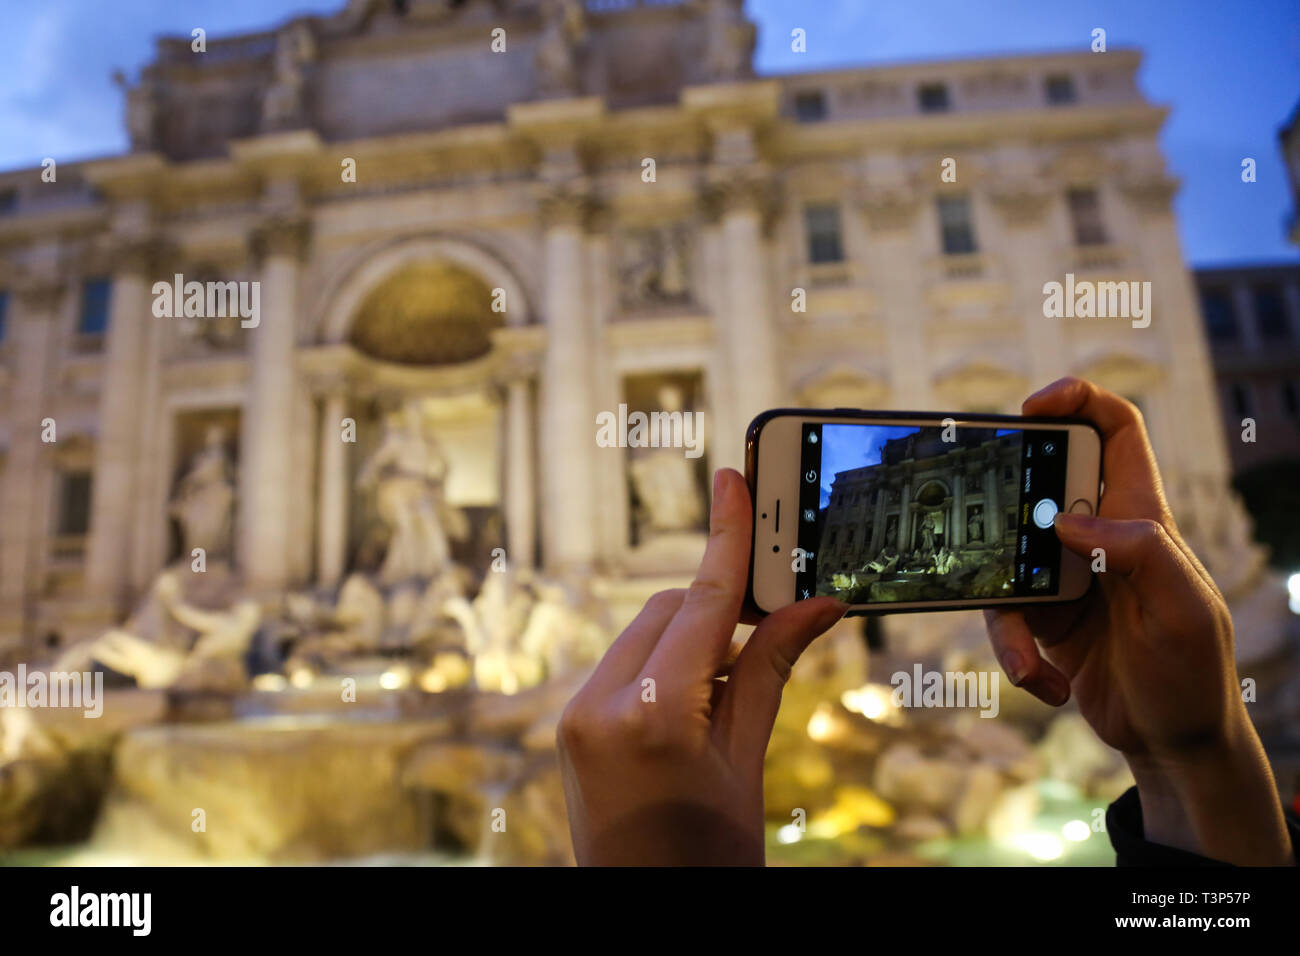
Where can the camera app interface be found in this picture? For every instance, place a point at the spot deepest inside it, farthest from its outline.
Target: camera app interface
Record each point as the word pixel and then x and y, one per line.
pixel 902 513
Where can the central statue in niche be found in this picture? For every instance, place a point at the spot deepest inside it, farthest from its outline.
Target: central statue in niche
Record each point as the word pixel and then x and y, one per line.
pixel 408 473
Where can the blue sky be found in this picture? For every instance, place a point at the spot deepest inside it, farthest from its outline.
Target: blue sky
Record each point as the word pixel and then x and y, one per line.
pixel 1230 72
pixel 845 447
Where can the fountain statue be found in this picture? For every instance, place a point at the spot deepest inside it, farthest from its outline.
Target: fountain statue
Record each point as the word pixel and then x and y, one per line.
pixel 204 499
pixel 667 486
pixel 212 660
pixel 407 472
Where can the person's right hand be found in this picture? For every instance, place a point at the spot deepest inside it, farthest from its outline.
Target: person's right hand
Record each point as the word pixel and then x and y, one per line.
pixel 1148 653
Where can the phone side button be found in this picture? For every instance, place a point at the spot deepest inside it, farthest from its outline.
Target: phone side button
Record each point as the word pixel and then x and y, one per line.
pixel 1081 506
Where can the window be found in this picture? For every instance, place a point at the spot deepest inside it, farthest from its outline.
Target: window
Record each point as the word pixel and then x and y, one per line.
pixel 823 223
pixel 4 313
pixel 1060 90
pixel 1240 399
pixel 933 98
pixel 1270 313
pixel 94 307
pixel 1085 215
pixel 810 106
pixel 1220 319
pixel 74 504
pixel 955 224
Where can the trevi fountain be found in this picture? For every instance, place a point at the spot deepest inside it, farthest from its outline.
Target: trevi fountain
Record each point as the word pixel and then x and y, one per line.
pixel 340 572
pixel 408 715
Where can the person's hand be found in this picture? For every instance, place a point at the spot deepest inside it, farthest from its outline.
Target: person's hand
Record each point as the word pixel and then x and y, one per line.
pixel 662 760
pixel 1148 653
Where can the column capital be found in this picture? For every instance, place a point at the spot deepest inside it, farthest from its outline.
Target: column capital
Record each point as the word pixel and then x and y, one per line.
pixel 39 294
pixel 281 236
pixel 732 192
pixel 570 205
pixel 139 255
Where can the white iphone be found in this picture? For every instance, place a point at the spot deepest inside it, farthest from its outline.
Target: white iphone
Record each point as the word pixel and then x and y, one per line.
pixel 908 511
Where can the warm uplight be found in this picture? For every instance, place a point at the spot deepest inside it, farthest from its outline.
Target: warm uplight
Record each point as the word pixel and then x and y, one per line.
pixel 1293 589
pixel 432 682
pixel 1041 846
pixel 301 678
pixel 821 724
pixel 789 833
pixel 394 679
pixel 1076 831
pixel 874 702
pixel 270 682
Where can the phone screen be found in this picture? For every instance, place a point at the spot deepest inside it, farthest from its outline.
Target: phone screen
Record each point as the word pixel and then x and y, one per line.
pixel 892 513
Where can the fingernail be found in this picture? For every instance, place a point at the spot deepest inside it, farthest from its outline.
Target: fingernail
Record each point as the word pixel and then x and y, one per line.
pixel 1056 690
pixel 834 612
pixel 1014 665
pixel 719 487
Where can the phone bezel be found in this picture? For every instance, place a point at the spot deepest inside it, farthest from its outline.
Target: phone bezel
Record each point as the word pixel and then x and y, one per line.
pixel 752 443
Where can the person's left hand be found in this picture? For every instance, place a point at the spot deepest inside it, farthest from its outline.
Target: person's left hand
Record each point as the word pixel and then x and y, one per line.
pixel 662 759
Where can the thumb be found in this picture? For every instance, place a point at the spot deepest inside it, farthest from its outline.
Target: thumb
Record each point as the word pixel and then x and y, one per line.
pixel 752 697
pixel 1139 549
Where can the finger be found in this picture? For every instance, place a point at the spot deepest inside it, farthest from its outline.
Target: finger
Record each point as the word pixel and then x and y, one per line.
pixel 1019 657
pixel 729 660
pixel 695 641
pixel 743 721
pixel 1133 485
pixel 1134 488
pixel 629 652
pixel 1141 550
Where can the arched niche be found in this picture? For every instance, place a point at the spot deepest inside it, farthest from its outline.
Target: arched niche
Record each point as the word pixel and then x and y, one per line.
pixel 344 302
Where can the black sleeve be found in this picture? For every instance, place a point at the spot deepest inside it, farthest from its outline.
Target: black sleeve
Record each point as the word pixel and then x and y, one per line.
pixel 1124 826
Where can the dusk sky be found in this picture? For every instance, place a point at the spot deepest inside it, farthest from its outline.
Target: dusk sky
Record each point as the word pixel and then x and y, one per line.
pixel 1229 71
pixel 845 447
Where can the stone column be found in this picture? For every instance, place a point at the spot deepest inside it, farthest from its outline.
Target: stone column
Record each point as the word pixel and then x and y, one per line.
pixel 266 443
pixel 878 527
pixel 117 447
pixel 895 263
pixel 904 515
pixel 32 326
pixel 150 530
pixel 992 504
pixel 520 510
pixel 1198 440
pixel 958 508
pixel 1030 263
pixel 568 421
pixel 332 515
pixel 749 334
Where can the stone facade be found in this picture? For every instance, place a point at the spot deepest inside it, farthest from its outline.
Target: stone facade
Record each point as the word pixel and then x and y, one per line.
pixel 524 177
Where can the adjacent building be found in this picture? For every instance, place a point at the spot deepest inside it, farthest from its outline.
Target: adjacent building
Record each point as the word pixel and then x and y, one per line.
pixel 1252 321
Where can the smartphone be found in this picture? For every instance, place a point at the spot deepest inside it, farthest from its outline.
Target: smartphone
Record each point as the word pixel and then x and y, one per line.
pixel 916 511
